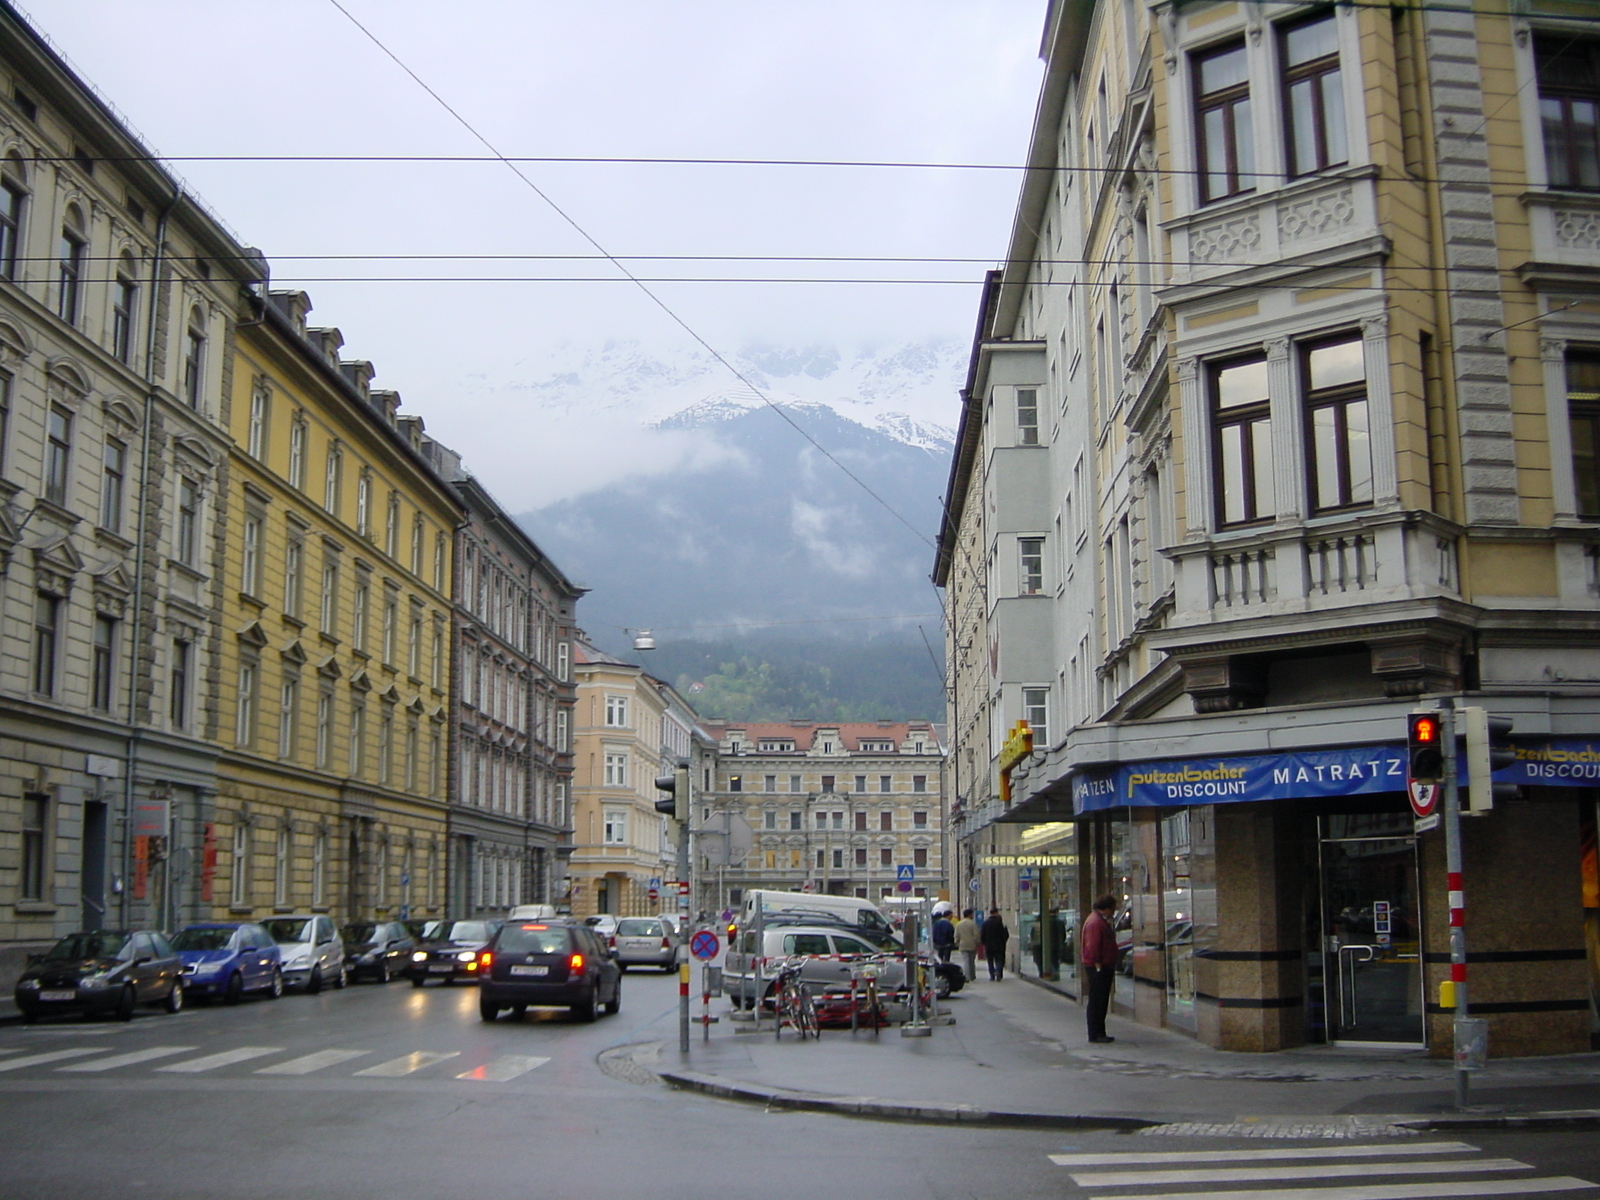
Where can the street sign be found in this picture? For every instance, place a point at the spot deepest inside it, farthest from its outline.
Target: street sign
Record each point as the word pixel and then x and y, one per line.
pixel 705 945
pixel 654 894
pixel 976 884
pixel 655 884
pixel 904 885
pixel 1424 797
pixel 905 871
pixel 683 889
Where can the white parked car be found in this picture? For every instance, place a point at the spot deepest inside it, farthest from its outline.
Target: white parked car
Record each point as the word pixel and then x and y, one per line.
pixel 313 954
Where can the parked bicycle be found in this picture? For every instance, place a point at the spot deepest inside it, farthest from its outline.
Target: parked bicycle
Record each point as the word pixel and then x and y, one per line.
pixel 866 1005
pixel 792 1004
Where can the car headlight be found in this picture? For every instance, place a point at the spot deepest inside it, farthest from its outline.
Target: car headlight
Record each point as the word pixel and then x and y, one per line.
pixel 207 968
pixel 299 958
pixel 466 956
pixel 419 956
pixel 98 979
pixel 27 985
pixel 370 956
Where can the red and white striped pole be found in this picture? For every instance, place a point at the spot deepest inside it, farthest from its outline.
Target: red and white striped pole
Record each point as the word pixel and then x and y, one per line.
pixel 1458 893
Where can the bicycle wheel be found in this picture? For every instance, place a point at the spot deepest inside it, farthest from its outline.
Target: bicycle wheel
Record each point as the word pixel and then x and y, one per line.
pixel 808 1023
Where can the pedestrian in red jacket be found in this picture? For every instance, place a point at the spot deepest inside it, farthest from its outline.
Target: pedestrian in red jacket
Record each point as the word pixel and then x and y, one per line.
pixel 1098 953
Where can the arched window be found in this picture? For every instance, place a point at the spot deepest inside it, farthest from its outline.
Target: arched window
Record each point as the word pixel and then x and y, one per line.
pixel 194 358
pixel 124 299
pixel 13 199
pixel 74 242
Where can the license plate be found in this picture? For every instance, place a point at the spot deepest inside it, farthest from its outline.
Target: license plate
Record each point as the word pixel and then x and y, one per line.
pixel 58 995
pixel 441 968
pixel 530 970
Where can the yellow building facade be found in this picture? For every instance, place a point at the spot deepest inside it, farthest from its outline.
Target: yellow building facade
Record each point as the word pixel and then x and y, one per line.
pixel 336 544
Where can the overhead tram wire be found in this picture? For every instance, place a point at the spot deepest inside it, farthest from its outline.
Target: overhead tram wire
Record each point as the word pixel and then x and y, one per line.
pixel 642 285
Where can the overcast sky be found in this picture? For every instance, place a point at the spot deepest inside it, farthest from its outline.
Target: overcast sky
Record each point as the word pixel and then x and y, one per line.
pixel 943 81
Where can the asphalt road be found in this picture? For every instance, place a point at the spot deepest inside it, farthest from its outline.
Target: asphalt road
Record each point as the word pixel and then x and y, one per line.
pixel 398 1092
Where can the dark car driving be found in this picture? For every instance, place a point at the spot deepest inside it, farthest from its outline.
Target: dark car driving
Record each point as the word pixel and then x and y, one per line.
pixel 448 950
pixel 102 971
pixel 378 950
pixel 533 963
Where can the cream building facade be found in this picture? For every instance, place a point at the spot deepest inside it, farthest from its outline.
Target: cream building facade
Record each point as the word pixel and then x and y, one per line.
pixel 1281 422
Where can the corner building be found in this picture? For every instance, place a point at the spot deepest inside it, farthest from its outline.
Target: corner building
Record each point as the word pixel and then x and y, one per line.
pixel 336 542
pixel 1281 421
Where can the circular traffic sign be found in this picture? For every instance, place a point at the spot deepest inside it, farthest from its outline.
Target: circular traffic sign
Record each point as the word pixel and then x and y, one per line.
pixel 1424 797
pixel 705 945
pixel 904 885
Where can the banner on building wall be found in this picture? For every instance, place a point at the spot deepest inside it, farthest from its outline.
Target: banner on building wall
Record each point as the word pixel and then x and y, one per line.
pixel 1313 774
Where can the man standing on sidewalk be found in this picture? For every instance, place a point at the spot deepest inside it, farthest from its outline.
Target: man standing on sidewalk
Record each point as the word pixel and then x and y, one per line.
pixel 1098 953
pixel 943 934
pixel 994 936
pixel 967 939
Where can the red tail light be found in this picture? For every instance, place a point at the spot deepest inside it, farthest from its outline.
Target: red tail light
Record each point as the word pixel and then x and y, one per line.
pixel 666 943
pixel 575 963
pixel 485 959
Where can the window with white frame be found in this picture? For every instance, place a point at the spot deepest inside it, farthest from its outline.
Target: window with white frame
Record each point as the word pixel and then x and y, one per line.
pixel 57 454
pixel 1030 566
pixel 288 720
pixel 250 555
pixel 113 473
pixel 1313 94
pixel 1027 416
pixel 1036 712
pixel 299 431
pixel 1568 71
pixel 186 537
pixel 69 267
pixel 1338 442
pixel 1242 441
pixel 616 768
pixel 616 827
pixel 260 413
pixel 1224 131
pixel 617 712
pixel 1583 420
pixel 194 359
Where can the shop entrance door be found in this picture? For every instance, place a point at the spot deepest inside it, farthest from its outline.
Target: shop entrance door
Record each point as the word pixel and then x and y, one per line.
pixel 1371 953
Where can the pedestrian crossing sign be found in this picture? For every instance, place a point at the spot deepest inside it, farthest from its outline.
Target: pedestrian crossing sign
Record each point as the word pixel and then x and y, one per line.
pixel 905 871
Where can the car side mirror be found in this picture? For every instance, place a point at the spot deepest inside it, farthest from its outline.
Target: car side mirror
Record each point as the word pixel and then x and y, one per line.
pixel 141 960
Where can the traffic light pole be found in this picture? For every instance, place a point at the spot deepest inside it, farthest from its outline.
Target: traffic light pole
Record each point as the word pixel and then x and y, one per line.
pixel 1452 856
pixel 683 927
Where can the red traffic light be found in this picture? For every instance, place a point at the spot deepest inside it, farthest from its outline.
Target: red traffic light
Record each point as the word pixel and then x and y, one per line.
pixel 1424 730
pixel 1424 749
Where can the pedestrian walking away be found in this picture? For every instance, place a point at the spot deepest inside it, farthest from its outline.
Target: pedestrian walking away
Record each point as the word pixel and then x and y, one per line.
pixel 1098 954
pixel 994 935
pixel 968 938
pixel 943 934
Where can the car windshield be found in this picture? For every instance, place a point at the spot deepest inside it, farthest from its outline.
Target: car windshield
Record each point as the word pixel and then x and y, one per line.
pixel 639 929
pixel 456 931
pixel 202 939
pixel 89 945
pixel 532 939
pixel 289 929
pixel 360 931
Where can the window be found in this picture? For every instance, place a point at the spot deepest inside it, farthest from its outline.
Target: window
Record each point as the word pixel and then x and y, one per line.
pixel 298 432
pixel 1583 416
pixel 414 650
pixel 885 857
pixel 919 857
pixel 331 479
pixel 409 775
pixel 820 859
pixel 616 827
pixel 46 642
pixel 919 783
pixel 617 712
pixel 1242 441
pixel 919 819
pixel 827 783
pixel 886 822
pixel 324 730
pixel 112 474
pixel 794 818
pixel 1030 566
pixel 241 865
pixel 385 742
pixel 861 822
pixel 281 859
pixel 364 505
pixel 260 413
pixel 288 720
pixel 57 454
pixel 358 616
pixel 1338 445
pixel 419 537
pixel 736 783
pixel 616 768
pixel 319 868
pixel 838 859
pixel 885 783
pixel 1568 70
pixel 250 555
pixel 1222 105
pixel 1313 95
pixel 124 303
pixel 69 266
pixel 438 561
pixel 861 856
pixel 1027 416
pixel 5 415
pixel 391 527
pixel 194 359
pixel 1036 712
pixel 245 728
pixel 861 783
pixel 12 199
pixel 294 559
pixel 186 548
pixel 35 815
pixel 102 665
pixel 328 608
pixel 358 739
pixel 178 683
pixel 391 614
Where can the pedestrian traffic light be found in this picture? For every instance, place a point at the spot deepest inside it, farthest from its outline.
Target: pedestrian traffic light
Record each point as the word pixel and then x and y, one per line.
pixel 1424 748
pixel 1488 750
pixel 675 803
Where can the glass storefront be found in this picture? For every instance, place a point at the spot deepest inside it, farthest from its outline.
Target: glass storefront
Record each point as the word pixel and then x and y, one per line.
pixel 1047 902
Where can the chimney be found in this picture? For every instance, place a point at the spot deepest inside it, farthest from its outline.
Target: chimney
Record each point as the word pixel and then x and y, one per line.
pixel 359 372
pixel 294 305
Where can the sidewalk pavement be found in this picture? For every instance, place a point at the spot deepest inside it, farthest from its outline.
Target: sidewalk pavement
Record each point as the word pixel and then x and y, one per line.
pixel 1017 1054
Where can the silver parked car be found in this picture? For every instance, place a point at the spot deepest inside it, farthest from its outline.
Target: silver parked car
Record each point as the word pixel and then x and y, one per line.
pixel 645 942
pixel 313 954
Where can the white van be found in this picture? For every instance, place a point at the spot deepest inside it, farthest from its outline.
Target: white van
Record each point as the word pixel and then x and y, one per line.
pixel 854 911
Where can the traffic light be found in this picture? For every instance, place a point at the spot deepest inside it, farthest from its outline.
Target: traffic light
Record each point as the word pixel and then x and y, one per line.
pixel 675 803
pixel 1424 748
pixel 1488 750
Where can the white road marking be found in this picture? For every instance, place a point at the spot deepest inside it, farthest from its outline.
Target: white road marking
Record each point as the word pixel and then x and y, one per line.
pixel 308 1063
pixel 408 1063
pixel 49 1056
pixel 226 1058
pixel 130 1059
pixel 1305 1171
pixel 498 1070
pixel 1398 1191
pixel 1268 1153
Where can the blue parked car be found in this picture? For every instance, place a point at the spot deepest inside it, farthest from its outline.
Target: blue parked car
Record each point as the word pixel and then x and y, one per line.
pixel 228 959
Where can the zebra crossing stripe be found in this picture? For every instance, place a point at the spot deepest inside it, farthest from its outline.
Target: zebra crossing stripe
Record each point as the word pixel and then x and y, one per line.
pixel 226 1058
pixel 498 1070
pixel 1304 1171
pixel 1399 1191
pixel 308 1063
pixel 407 1063
pixel 1261 1155
pixel 49 1056
pixel 130 1059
